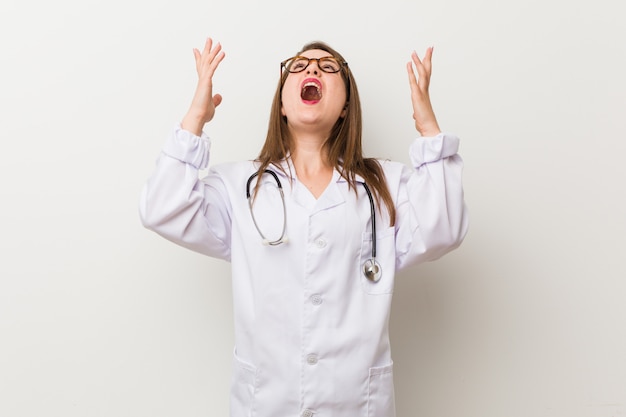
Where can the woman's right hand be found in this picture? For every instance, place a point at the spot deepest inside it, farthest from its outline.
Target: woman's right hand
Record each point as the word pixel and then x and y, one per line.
pixel 203 105
pixel 423 114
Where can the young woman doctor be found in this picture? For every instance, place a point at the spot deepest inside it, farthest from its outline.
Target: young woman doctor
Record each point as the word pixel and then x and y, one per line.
pixel 314 231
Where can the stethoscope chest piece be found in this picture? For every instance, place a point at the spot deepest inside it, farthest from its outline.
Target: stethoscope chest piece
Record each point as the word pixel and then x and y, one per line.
pixel 372 270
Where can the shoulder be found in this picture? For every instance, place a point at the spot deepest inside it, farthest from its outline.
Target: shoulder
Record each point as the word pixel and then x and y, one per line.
pixel 391 166
pixel 231 174
pixel 237 168
pixel 393 170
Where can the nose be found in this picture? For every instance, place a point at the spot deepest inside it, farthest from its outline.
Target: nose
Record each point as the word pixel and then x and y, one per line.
pixel 315 70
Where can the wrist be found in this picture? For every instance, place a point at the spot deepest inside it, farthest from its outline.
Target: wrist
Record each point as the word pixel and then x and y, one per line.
pixel 193 122
pixel 430 130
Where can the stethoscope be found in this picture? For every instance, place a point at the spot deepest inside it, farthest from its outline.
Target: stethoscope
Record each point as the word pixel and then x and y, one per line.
pixel 371 267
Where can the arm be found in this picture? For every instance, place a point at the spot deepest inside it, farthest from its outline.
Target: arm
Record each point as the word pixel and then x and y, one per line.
pixel 178 206
pixel 432 215
pixel 174 202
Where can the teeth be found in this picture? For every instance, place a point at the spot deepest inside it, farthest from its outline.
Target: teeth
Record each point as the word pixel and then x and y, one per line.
pixel 311 84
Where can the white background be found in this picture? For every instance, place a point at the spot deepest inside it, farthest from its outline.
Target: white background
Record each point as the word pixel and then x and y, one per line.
pixel 100 317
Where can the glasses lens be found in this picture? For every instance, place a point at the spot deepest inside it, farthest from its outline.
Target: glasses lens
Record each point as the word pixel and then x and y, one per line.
pixel 329 65
pixel 297 64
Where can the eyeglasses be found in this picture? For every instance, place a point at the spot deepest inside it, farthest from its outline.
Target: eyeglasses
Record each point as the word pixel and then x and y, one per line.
pixel 300 63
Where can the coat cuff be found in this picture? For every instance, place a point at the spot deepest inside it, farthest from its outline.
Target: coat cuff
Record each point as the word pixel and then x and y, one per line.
pixel 188 148
pixel 424 150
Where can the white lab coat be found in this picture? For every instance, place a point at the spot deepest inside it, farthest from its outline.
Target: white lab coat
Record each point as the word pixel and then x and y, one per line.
pixel 311 332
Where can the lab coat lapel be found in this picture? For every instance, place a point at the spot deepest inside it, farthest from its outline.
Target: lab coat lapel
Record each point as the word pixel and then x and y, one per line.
pixel 332 196
pixel 300 195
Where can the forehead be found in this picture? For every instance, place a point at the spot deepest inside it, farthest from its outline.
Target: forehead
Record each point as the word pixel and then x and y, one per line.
pixel 315 53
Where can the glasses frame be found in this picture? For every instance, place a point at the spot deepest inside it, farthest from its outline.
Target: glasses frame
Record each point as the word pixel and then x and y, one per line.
pixel 342 64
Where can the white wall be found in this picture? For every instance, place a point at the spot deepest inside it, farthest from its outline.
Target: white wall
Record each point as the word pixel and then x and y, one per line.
pixel 99 317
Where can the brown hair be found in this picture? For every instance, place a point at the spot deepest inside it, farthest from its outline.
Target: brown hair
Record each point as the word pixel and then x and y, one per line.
pixel 343 145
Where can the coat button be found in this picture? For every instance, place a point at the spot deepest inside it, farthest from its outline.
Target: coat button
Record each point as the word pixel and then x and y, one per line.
pixel 311 358
pixel 307 413
pixel 316 299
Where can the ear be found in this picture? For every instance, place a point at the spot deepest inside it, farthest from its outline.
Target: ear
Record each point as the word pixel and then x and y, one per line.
pixel 344 111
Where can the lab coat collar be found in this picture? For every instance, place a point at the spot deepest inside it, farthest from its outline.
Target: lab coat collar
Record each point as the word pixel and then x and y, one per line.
pixel 285 169
pixel 331 197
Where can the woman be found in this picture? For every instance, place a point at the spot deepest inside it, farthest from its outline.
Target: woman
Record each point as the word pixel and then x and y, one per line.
pixel 313 270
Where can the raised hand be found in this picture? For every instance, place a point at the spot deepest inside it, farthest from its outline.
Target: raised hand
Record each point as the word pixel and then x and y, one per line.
pixel 423 114
pixel 203 104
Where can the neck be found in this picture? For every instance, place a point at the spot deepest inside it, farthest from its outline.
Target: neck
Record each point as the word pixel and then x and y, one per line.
pixel 308 151
pixel 310 160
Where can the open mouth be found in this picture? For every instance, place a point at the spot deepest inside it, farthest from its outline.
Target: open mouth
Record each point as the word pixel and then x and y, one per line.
pixel 311 90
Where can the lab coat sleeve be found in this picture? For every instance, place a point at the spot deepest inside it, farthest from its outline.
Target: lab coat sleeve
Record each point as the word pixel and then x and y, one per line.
pixel 432 216
pixel 177 205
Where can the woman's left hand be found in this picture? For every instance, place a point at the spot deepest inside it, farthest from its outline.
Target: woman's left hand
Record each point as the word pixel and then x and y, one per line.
pixel 423 114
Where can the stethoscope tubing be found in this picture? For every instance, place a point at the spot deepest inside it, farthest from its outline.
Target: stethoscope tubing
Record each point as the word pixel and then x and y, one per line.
pixel 371 268
pixel 266 241
pixel 373 217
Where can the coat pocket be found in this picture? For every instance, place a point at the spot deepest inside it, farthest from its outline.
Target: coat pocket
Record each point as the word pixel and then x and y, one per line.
pixel 380 396
pixel 243 388
pixel 386 258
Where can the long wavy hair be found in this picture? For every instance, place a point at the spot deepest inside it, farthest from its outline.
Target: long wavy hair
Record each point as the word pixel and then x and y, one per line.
pixel 344 144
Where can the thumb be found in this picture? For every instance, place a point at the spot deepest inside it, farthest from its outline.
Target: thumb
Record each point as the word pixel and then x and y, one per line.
pixel 217 99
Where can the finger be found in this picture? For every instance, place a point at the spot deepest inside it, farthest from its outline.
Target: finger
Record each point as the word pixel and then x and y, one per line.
pixel 412 78
pixel 209 52
pixel 419 66
pixel 212 59
pixel 423 69
pixel 415 91
pixel 212 53
pixel 217 58
pixel 428 56
pixel 217 100
pixel 201 57
pixel 416 59
pixel 197 57
pixel 208 45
